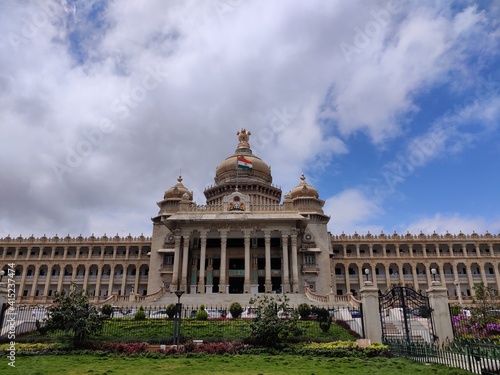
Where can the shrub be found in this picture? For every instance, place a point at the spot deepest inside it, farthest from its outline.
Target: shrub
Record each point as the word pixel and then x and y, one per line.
pixel 236 310
pixel 74 313
pixel 324 319
pixel 171 310
pixel 202 313
pixel 140 314
pixel 304 311
pixel 107 310
pixel 267 328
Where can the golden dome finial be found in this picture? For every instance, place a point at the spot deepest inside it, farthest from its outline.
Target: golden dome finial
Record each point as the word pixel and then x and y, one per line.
pixel 179 179
pixel 243 137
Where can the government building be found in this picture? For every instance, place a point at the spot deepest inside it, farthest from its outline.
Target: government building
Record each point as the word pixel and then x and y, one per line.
pixel 247 239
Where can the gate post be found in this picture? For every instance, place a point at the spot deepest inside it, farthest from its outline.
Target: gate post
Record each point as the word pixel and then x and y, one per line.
pixel 371 312
pixel 438 301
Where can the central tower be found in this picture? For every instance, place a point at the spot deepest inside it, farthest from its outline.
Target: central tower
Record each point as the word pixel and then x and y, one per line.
pixel 244 172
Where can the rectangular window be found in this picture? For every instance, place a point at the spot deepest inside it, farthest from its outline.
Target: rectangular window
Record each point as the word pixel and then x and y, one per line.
pixel 310 259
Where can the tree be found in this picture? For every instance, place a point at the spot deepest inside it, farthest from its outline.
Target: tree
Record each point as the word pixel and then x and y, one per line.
pixel 74 313
pixel 486 300
pixel 202 313
pixel 171 310
pixel 323 317
pixel 140 314
pixel 107 311
pixel 235 309
pixel 267 328
pixel 304 311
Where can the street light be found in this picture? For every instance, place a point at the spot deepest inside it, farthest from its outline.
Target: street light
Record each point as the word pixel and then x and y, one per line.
pixel 177 321
pixel 2 272
pixel 367 272
pixel 433 271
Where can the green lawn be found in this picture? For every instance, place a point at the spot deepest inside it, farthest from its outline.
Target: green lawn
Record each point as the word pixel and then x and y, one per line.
pixel 161 330
pixel 220 365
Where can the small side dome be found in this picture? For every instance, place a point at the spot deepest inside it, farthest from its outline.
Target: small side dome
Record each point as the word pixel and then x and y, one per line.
pixel 304 190
pixel 177 191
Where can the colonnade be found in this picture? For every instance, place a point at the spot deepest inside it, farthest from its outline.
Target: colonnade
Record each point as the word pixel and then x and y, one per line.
pixel 183 252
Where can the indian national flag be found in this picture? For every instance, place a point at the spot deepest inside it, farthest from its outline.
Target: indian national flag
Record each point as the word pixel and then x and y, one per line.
pixel 244 163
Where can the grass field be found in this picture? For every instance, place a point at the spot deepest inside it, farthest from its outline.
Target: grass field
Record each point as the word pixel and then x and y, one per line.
pixel 161 330
pixel 215 365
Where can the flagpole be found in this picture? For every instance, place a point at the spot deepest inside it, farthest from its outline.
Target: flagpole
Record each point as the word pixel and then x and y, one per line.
pixel 237 167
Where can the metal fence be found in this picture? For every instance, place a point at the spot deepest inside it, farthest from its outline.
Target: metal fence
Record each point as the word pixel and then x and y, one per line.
pixel 479 357
pixel 158 326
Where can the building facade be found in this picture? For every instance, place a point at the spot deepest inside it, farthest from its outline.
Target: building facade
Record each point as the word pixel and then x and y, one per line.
pixel 247 239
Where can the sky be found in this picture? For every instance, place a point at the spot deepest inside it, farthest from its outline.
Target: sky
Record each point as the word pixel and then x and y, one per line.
pixel 391 109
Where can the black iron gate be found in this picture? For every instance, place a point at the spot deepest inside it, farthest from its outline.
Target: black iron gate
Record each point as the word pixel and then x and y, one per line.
pixel 406 315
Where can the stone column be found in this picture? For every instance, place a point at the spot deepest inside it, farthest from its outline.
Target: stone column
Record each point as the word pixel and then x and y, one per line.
pixel 384 250
pixel 47 282
pixel 370 249
pixel 98 280
pixel 295 269
pixel 438 301
pixel 416 285
pixel 35 281
pixel 124 282
pixel 174 286
pixel 223 272
pixel 21 284
pixel 86 271
pixel 203 254
pixel 246 285
pixel 286 264
pixel 268 283
pixel 111 280
pixel 61 278
pixel 185 256
pixel 371 312
pixel 357 251
pixel 387 277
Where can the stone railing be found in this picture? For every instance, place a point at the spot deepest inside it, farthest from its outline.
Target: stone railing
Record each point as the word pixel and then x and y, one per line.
pixel 79 239
pixel 412 237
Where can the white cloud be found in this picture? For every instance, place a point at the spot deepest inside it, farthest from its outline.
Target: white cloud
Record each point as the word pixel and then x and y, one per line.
pixel 351 210
pixel 452 223
pixel 226 68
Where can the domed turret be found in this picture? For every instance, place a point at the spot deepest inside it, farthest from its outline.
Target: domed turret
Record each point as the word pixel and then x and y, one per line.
pixel 304 190
pixel 177 191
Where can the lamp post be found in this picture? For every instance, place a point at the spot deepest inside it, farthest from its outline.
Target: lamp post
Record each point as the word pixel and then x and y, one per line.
pixel 433 271
pixel 459 292
pixel 2 272
pixel 367 272
pixel 177 321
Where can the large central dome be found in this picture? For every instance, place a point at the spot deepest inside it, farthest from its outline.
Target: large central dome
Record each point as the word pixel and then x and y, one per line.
pixel 244 172
pixel 228 170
